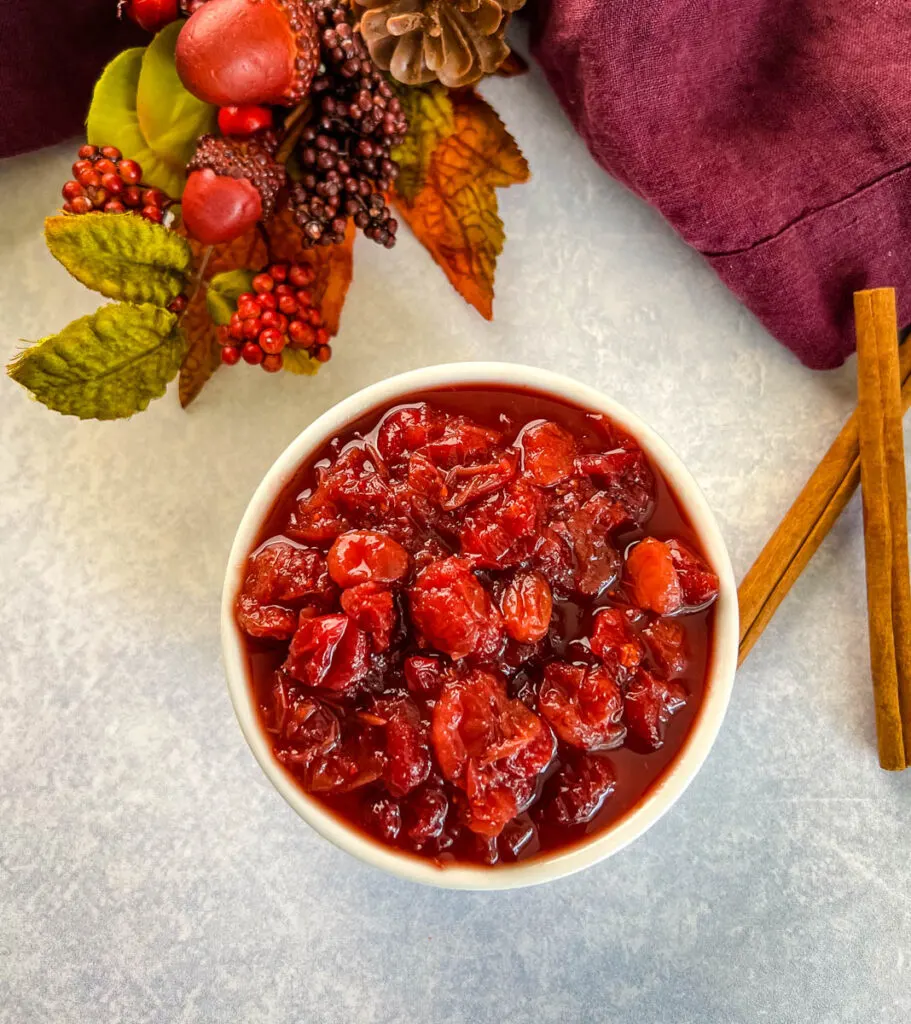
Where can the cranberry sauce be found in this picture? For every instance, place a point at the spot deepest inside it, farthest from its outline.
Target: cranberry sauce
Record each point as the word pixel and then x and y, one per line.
pixel 479 625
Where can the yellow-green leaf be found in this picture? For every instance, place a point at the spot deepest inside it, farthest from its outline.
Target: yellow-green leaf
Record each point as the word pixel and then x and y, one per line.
pixel 296 360
pixel 430 120
pixel 221 297
pixel 121 255
pixel 141 107
pixel 104 366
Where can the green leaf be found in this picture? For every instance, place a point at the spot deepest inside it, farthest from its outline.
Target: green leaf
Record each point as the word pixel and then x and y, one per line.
pixel 105 366
pixel 141 107
pixel 296 360
pixel 123 256
pixel 221 298
pixel 430 121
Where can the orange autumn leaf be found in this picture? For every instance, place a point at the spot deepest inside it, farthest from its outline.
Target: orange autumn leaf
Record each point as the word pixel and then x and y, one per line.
pixel 455 215
pixel 333 264
pixel 203 357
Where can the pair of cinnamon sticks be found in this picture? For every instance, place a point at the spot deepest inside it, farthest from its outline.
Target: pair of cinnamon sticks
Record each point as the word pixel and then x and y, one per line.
pixel 868 449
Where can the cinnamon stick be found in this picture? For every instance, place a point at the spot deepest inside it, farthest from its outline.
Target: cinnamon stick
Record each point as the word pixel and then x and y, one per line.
pixel 805 526
pixel 879 418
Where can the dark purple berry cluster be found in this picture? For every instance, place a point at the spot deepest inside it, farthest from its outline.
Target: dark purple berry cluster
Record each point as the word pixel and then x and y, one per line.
pixel 345 153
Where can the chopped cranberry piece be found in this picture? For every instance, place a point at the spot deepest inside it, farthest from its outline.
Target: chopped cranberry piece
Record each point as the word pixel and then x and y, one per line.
pixel 424 478
pixel 265 622
pixel 583 705
pixel 614 642
pixel 653 577
pixel 424 675
pixel 407 746
pixel 490 746
pixel 665 640
pixel 468 483
pixel 454 612
pixel 501 530
pixel 553 557
pixel 356 763
pixel 371 607
pixel 329 652
pixel 580 789
pixel 281 574
pixel 527 604
pixel 365 556
pixel 649 703
pixel 306 724
pixel 358 484
pixel 700 585
pixel 597 560
pixel 627 477
pixel 547 453
pixel 405 430
pixel 426 812
pixel 316 518
pixel 384 817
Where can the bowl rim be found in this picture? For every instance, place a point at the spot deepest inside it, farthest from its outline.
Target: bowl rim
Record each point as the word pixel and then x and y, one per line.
pixel 723 660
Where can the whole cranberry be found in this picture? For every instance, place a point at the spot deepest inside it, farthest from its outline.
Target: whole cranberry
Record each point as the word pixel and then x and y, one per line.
pixel 365 556
pixel 244 121
pixel 527 604
pixel 653 577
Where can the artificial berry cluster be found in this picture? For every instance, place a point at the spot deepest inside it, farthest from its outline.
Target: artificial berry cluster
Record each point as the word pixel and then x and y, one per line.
pixel 279 313
pixel 346 153
pixel 103 180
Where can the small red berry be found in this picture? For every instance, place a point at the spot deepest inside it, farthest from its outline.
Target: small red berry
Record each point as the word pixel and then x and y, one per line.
pixel 130 171
pixel 282 289
pixel 304 298
pixel 89 179
pixel 268 301
pixel 302 335
pixel 111 152
pixel 230 355
pixel 81 204
pixel 105 166
pixel 287 305
pixel 249 310
pixel 82 167
pixel 324 353
pixel 151 15
pixel 153 213
pixel 271 340
pixel 247 297
pixel 263 283
pixel 270 318
pixel 72 189
pixel 314 317
pixel 178 304
pixel 113 183
pixel 279 272
pixel 299 275
pixel 153 197
pixel 251 328
pixel 236 330
pixel 273 362
pixel 322 336
pixel 224 338
pixel 244 121
pixel 85 152
pixel 114 206
pixel 131 196
pixel 252 353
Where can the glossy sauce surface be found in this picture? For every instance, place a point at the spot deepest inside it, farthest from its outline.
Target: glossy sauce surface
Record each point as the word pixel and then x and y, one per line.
pixel 636 769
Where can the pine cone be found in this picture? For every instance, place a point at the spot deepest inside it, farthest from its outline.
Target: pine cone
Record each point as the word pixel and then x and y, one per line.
pixel 455 41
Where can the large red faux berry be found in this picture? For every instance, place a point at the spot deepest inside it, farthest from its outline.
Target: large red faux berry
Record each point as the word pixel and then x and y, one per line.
pixel 151 15
pixel 238 52
pixel 245 120
pixel 219 209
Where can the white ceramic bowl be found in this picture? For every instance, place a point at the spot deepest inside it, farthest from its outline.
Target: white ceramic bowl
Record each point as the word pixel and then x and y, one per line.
pixel 722 664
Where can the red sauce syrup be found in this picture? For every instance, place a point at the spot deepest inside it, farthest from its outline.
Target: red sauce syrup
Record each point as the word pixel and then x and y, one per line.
pixel 479 625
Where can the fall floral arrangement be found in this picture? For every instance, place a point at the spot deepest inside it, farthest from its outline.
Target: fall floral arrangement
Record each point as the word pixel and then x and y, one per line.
pixel 229 165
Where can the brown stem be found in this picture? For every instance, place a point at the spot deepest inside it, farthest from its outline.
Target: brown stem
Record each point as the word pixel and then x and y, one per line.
pixel 294 124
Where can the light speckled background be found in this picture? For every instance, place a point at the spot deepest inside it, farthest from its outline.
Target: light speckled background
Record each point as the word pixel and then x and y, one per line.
pixel 148 871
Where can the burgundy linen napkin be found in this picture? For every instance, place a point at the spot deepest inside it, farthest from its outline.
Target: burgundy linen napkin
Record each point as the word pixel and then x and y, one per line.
pixel 50 55
pixel 774 135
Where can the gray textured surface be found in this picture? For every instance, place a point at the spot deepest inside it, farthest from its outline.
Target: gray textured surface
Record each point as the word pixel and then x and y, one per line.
pixel 148 872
